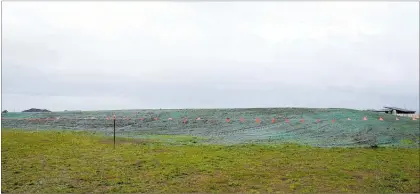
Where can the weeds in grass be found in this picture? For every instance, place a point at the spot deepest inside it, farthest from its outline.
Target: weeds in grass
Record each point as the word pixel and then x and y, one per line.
pixel 52 162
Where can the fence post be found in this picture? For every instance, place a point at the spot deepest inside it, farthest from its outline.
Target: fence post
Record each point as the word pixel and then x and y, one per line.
pixel 114 133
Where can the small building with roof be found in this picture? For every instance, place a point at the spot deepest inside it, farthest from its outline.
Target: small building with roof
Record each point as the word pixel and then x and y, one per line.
pixel 396 111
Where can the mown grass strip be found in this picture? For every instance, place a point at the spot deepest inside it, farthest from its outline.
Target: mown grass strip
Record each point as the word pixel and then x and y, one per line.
pixel 52 161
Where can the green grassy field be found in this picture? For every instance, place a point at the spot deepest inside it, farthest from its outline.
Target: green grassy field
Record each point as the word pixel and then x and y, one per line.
pixel 52 161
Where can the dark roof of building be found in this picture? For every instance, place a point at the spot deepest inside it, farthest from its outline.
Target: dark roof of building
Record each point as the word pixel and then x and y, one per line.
pixel 399 109
pixel 381 110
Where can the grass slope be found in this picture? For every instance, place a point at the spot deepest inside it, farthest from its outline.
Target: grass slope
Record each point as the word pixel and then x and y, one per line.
pixel 51 162
pixel 213 126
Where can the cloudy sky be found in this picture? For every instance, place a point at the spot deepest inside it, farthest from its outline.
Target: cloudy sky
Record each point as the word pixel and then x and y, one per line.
pixel 129 55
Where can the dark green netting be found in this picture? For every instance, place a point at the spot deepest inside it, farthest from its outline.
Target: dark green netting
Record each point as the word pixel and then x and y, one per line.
pixel 213 125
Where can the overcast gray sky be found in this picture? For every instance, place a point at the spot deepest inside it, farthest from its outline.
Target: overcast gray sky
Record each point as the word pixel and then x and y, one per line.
pixel 129 55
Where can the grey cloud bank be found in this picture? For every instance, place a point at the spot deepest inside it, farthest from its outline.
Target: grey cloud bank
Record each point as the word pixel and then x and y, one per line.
pixel 126 55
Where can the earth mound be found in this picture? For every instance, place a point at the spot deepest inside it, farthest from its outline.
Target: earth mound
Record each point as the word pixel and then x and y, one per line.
pixel 36 110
